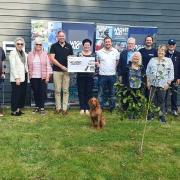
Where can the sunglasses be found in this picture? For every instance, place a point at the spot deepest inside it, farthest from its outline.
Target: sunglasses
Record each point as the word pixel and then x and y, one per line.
pixel 38 44
pixel 20 44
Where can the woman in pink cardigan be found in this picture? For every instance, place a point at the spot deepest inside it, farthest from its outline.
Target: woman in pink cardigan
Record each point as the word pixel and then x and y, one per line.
pixel 39 72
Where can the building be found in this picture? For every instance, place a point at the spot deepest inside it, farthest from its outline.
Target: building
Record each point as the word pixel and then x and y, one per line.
pixel 16 15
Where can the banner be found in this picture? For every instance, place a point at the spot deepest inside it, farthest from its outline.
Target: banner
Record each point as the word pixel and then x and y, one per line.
pixel 139 33
pixel 46 31
pixel 81 64
pixel 117 32
pixel 76 32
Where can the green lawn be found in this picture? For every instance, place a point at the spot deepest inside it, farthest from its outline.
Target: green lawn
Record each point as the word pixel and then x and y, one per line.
pixel 56 147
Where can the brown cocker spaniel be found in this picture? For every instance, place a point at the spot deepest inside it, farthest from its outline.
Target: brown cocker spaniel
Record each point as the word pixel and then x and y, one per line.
pixel 97 119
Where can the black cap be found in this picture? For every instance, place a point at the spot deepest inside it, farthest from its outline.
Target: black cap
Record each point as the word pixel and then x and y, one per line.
pixel 171 41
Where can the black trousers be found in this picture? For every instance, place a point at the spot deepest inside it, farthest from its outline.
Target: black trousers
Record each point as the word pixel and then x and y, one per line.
pixel 18 95
pixel 85 86
pixel 39 88
pixel 173 92
pixel 157 95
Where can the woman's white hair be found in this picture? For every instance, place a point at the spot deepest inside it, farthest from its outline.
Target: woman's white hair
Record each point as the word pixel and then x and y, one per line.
pixel 140 57
pixel 19 39
pixel 38 41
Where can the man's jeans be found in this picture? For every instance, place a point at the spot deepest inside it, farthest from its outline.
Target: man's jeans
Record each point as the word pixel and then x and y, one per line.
pixel 106 83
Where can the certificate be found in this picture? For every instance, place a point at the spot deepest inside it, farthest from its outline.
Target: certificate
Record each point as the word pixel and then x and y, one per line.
pixel 81 64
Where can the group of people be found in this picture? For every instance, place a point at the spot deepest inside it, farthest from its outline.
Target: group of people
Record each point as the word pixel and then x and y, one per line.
pixel 156 70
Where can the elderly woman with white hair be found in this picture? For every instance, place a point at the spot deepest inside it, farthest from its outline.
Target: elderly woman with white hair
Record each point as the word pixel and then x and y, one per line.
pixel 134 80
pixel 134 73
pixel 18 76
pixel 39 74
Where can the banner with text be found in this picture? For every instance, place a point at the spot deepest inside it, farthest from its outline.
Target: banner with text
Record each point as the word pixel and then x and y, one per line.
pixel 139 33
pixel 118 33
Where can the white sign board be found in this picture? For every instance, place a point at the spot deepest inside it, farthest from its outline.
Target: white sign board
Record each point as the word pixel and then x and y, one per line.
pixel 81 64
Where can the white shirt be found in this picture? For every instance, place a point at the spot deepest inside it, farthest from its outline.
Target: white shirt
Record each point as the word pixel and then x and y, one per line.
pixel 108 61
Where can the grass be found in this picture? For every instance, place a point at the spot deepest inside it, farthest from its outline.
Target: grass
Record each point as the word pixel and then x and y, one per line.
pixel 56 147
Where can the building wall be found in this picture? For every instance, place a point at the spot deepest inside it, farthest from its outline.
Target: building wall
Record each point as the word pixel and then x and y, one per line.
pixel 16 15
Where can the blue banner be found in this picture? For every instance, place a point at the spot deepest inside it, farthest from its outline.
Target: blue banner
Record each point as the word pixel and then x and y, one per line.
pixel 76 32
pixel 139 33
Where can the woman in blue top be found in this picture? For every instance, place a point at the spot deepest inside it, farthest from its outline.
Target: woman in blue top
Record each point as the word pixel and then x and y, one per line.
pixel 134 83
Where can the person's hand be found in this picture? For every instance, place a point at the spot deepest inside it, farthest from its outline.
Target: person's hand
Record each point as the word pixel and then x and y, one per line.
pixel 178 81
pixel 97 64
pixel 120 79
pixel 166 87
pixel 64 68
pixel 148 85
pixel 18 82
pixel 47 80
pixel 3 76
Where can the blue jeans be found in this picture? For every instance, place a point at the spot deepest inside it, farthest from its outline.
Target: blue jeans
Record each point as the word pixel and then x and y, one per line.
pixel 106 87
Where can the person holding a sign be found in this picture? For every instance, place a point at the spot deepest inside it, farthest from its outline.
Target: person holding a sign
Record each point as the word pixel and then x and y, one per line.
pixel 107 59
pixel 85 80
pixel 18 76
pixel 2 71
pixel 58 54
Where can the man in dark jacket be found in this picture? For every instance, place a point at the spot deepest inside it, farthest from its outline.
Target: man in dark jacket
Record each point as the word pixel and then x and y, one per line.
pixel 125 58
pixel 175 56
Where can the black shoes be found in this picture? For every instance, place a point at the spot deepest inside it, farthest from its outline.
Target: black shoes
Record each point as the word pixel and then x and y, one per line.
pixel 150 116
pixel 162 119
pixel 39 110
pixel 35 110
pixel 19 113
pixel 42 111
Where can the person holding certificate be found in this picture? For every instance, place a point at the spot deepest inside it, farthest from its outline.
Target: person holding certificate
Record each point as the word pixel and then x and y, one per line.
pixel 85 80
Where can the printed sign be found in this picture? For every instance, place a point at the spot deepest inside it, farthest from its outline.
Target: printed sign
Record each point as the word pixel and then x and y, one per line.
pixel 81 64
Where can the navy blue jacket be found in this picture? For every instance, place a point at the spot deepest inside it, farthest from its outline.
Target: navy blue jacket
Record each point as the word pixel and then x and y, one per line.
pixel 176 62
pixel 122 64
pixel 125 76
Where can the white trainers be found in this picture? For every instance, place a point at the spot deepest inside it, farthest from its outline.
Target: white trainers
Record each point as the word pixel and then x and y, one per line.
pixel 1 115
pixel 175 113
pixel 87 112
pixel 81 112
